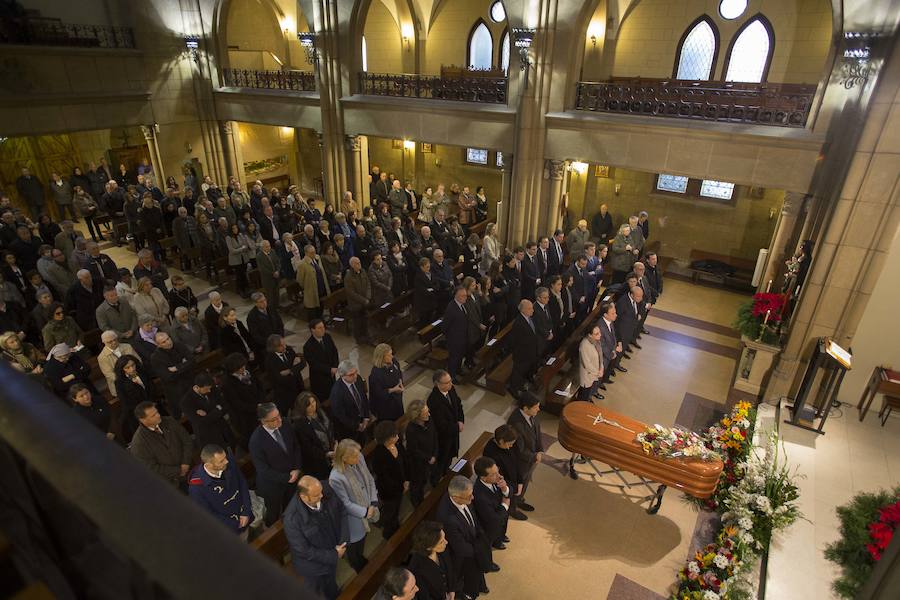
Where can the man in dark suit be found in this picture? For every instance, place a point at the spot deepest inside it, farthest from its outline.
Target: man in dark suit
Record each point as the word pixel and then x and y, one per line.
pixel 442 275
pixel 211 318
pixel 602 226
pixel 205 408
pixel 455 326
pixel 276 458
pixel 424 286
pixel 382 189
pixel 268 229
pixel 492 501
pixel 531 271
pixel 580 293
pixel 316 529
pixel 529 446
pixel 609 342
pixel 349 404
pixel 174 365
pixel 242 394
pixel 263 321
pixel 525 344
pixel 543 321
pixel 448 420
pixel 629 318
pixel 543 258
pixel 322 355
pixel 557 253
pixel 284 369
pixel 501 448
pixel 466 541
pixel 161 444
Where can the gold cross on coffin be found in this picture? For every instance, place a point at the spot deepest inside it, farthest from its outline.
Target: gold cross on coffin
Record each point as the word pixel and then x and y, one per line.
pixel 598 418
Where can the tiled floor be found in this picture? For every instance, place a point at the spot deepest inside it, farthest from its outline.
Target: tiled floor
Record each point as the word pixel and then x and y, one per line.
pixel 587 540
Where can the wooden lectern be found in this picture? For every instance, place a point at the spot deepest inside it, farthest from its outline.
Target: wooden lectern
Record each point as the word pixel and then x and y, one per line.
pixel 832 362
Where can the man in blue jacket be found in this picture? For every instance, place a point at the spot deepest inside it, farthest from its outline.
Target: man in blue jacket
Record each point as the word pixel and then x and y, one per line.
pixel 317 532
pixel 220 489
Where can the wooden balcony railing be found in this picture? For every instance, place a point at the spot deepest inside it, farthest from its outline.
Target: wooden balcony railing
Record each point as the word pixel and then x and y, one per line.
pixel 296 81
pixel 486 90
pixel 36 31
pixel 780 104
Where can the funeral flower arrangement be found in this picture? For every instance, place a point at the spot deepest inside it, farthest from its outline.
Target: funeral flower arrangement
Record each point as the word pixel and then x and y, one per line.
pixel 732 439
pixel 664 442
pixel 761 503
pixel 759 318
pixel 868 523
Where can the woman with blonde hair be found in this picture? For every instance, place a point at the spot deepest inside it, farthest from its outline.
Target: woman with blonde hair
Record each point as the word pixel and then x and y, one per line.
pixel 22 356
pixel 353 483
pixel 150 301
pixel 427 206
pixel 386 384
pixel 490 248
pixel 420 441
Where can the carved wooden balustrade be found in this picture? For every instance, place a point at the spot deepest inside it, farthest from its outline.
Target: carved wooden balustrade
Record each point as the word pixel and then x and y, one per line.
pixel 297 81
pixel 780 104
pixel 37 31
pixel 486 90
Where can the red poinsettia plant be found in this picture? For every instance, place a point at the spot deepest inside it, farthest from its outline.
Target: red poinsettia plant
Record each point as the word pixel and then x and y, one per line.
pixel 882 530
pixel 769 303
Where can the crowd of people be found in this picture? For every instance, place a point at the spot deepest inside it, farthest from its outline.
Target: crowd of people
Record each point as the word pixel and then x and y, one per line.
pixel 305 434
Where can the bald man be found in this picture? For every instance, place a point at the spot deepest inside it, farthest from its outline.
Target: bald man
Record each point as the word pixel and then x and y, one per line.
pixel 525 345
pixel 317 533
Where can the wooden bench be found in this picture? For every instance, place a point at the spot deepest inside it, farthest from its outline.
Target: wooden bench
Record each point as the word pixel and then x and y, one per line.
pixel 395 550
pixel 496 380
pixel 743 269
pixel 429 355
pixel 335 303
pixel 486 356
pixel 379 316
pixel 170 249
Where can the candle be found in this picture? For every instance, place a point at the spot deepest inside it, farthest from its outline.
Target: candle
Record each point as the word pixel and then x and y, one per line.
pixel 766 320
pixel 769 287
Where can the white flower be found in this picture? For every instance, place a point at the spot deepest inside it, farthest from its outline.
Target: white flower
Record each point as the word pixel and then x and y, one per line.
pixel 763 504
pixel 745 523
pixel 747 537
pixel 745 423
pixel 720 561
pixel 710 595
pixel 693 568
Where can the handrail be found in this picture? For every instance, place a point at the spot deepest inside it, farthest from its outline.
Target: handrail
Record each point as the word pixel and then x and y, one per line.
pixel 295 81
pixel 48 32
pixel 779 104
pixel 178 545
pixel 485 90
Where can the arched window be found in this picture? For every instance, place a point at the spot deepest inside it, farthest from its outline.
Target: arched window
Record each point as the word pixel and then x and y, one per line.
pixel 751 52
pixel 504 52
pixel 365 58
pixel 697 50
pixel 481 47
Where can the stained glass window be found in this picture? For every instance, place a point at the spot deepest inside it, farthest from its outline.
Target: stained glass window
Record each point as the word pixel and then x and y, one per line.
pixel 672 183
pixel 697 53
pixel 481 48
pixel 477 156
pixel 498 13
pixel 504 53
pixel 749 54
pixel 717 189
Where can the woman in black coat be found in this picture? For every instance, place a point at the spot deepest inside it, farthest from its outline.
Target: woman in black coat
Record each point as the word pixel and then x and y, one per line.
pixel 421 449
pixel 233 335
pixel 386 385
pixel 396 261
pixel 315 434
pixel 242 394
pixel 150 222
pixel 133 386
pixel 386 464
pixel 93 408
pixel 322 355
pixel 424 287
pixel 430 564
pixel 471 252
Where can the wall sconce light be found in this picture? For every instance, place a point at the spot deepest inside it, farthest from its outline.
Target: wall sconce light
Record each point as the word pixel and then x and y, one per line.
pixel 407 32
pixel 595 31
pixel 192 47
pixel 409 145
pixel 308 42
pixel 618 188
pixel 855 58
pixel 524 38
pixel 579 167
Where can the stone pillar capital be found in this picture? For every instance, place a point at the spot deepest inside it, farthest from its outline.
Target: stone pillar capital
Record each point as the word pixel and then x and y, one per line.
pixel 226 127
pixel 556 168
pixel 793 202
pixel 353 143
pixel 147 130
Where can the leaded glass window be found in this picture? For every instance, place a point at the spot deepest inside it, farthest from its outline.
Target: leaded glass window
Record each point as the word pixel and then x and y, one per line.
pixel 672 183
pixel 477 156
pixel 749 54
pixel 697 53
pixel 717 189
pixel 481 48
pixel 504 53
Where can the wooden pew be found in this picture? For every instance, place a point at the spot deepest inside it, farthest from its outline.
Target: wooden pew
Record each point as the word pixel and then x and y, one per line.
pixel 335 303
pixel 486 356
pixel 395 550
pixel 743 269
pixel 379 315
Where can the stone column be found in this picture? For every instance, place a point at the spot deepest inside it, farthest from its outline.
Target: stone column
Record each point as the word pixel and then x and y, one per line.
pixel 155 160
pixel 857 182
pixel 552 220
pixel 779 249
pixel 503 204
pixel 230 145
pixel 357 175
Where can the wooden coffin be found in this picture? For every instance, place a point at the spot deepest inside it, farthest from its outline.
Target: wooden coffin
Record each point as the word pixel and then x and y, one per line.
pixel 618 448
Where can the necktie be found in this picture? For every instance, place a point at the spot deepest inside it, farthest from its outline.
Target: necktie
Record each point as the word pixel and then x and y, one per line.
pixel 469 517
pixel 530 323
pixel 462 307
pixel 277 435
pixel 355 395
pixel 281 357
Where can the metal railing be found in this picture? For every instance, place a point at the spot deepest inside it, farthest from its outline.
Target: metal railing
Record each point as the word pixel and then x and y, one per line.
pixel 486 90
pixel 106 504
pixel 295 81
pixel 779 104
pixel 50 32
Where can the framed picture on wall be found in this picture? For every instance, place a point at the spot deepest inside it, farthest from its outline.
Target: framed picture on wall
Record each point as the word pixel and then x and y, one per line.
pixel 397 144
pixel 601 171
pixel 427 148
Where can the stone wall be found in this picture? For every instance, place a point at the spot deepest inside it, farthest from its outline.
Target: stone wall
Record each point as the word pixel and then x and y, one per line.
pixel 448 38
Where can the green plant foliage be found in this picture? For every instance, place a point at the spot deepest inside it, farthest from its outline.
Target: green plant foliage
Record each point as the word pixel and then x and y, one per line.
pixel 745 322
pixel 849 552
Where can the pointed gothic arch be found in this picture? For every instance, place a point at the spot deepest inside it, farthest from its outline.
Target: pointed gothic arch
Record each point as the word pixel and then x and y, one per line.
pixel 749 39
pixel 697 50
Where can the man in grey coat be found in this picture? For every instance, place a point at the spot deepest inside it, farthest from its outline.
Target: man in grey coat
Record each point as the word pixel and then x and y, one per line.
pixel 162 444
pixel 397 199
pixel 359 296
pixel 116 315
pixel 54 270
pixel 577 238
pixel 62 193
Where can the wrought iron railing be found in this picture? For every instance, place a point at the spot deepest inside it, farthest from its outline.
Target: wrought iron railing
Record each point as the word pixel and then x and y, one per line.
pixel 296 81
pixel 780 104
pixel 487 90
pixel 50 32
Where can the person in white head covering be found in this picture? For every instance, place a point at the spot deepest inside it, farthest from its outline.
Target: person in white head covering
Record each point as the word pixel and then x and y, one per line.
pixel 65 368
